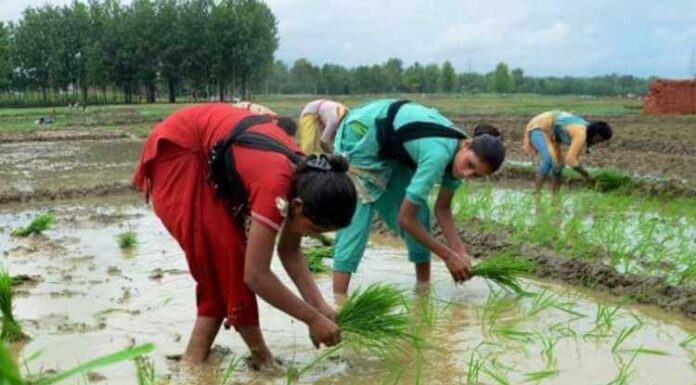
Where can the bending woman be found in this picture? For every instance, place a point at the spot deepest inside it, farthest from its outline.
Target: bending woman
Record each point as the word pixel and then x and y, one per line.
pixel 544 136
pixel 227 183
pixel 398 152
pixel 319 121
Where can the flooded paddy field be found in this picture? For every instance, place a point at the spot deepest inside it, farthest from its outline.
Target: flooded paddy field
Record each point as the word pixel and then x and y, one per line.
pixel 615 289
pixel 86 297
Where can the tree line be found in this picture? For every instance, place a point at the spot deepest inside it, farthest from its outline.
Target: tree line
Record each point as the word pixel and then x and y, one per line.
pixel 394 76
pixel 102 51
pixel 89 51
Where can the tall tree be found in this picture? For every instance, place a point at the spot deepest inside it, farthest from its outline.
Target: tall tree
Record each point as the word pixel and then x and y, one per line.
pixel 4 56
pixel 170 45
pixel 393 74
pixel 500 80
pixel 448 78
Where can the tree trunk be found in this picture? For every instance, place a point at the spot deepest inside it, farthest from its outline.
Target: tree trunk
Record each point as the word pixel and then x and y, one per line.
pixel 151 93
pixel 221 92
pixel 172 90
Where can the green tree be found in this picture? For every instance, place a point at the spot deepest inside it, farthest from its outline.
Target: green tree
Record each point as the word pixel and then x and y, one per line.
pixel 500 81
pixel 4 56
pixel 393 71
pixel 414 78
pixel 448 78
pixel 305 76
pixel 170 45
pixel 518 79
pixel 431 77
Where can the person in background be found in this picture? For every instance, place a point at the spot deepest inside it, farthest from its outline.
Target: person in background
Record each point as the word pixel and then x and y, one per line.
pixel 319 121
pixel 547 132
pixel 229 186
pixel 399 151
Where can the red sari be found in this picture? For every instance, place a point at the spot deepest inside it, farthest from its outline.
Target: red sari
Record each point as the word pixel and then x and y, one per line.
pixel 173 172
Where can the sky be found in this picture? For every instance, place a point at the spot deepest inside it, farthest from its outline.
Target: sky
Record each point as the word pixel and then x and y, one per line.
pixel 543 37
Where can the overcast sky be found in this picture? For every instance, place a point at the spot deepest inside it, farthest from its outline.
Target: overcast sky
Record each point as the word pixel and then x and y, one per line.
pixel 544 37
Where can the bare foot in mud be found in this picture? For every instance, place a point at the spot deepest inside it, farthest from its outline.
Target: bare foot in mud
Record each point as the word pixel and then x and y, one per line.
pixel 422 288
pixel 340 299
pixel 264 364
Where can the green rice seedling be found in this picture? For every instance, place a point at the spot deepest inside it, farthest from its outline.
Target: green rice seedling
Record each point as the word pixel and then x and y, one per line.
pixel 504 270
pixel 515 334
pixel 110 359
pixel 604 319
pixel 548 344
pixel 227 375
pixel 145 371
pixel 9 371
pixel 643 350
pixel 537 377
pixel 497 304
pixel 38 225
pixel 11 330
pixel 610 180
pixel 688 341
pixel 496 375
pixel 473 372
pixel 625 370
pixel 376 319
pixel 315 257
pixel 127 240
pixel 623 336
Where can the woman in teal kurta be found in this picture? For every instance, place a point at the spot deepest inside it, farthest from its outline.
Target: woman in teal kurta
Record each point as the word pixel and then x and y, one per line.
pixel 399 191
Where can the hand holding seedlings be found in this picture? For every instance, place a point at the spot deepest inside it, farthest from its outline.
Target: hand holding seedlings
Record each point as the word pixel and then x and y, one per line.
pixel 459 266
pixel 323 331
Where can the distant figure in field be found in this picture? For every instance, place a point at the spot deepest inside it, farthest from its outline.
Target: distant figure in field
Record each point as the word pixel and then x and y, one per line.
pixel 545 134
pixel 254 108
pixel 286 123
pixel 318 124
pixel 44 120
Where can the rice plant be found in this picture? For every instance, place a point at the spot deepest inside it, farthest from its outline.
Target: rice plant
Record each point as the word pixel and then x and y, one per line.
pixel 473 372
pixel 9 371
pixel 145 371
pixel 537 377
pixel 623 336
pixel 376 319
pixel 605 316
pixel 38 225
pixel 504 270
pixel 315 258
pixel 625 370
pixel 127 240
pixel 609 180
pixel 110 359
pixel 11 330
pixel 227 375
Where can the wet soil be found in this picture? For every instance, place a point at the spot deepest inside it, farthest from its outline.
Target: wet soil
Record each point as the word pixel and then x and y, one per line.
pixel 94 298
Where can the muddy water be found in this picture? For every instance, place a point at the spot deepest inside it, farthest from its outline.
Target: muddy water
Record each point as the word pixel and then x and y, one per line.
pixel 94 299
pixel 29 166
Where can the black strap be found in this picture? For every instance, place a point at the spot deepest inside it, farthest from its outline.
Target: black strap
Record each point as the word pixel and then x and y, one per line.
pixel 391 141
pixel 223 173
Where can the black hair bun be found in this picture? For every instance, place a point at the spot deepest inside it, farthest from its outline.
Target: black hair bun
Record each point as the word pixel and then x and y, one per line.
pixel 338 163
pixel 487 129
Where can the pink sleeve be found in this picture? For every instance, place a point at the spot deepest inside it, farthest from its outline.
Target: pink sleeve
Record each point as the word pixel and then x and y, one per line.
pixel 331 125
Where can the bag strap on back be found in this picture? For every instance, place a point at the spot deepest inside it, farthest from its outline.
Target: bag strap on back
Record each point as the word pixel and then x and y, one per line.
pixel 223 173
pixel 391 142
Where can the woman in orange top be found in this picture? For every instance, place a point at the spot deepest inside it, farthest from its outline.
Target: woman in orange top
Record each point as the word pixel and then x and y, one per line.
pixel 545 134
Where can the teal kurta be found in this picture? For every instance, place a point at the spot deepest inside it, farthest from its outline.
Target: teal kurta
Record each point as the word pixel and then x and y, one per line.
pixel 383 184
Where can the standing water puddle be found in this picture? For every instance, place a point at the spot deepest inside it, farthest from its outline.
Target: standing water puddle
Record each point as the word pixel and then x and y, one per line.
pixel 94 299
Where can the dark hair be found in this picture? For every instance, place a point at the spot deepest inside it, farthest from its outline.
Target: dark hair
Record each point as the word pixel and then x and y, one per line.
pixel 287 124
pixel 328 195
pixel 598 128
pixel 487 144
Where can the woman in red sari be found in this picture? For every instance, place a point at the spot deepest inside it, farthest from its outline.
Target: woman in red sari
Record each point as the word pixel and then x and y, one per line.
pixel 226 200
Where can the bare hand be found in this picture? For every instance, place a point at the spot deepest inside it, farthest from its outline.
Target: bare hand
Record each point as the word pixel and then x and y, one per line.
pixel 327 310
pixel 459 266
pixel 323 331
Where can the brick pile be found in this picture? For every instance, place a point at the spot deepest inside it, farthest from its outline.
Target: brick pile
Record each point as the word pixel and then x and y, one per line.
pixel 671 97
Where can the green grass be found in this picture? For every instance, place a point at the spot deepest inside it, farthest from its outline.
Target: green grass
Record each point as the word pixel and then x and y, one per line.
pixel 11 330
pixel 127 240
pixel 38 225
pixel 504 270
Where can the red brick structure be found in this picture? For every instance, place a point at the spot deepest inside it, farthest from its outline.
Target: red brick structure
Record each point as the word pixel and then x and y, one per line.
pixel 671 97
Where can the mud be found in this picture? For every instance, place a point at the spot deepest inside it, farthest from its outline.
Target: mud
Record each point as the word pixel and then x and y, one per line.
pixel 62 136
pixel 93 299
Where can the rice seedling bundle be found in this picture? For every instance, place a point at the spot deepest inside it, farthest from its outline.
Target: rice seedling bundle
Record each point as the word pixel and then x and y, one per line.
pixel 127 240
pixel 608 180
pixel 11 331
pixel 376 319
pixel 504 270
pixel 37 226
pixel 315 256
